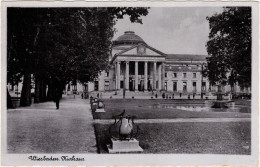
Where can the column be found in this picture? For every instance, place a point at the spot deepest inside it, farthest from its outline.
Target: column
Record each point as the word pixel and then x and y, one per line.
pixel 159 76
pixel 126 75
pixel 136 76
pixel 145 76
pixel 163 76
pixel 154 75
pixel 118 75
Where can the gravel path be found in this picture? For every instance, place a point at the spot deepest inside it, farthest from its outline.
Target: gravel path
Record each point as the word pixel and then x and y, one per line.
pixel 41 128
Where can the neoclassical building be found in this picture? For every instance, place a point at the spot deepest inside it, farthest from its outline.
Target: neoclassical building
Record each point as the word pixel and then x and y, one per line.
pixel 136 66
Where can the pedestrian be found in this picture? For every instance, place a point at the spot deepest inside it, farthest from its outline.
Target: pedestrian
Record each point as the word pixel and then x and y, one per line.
pixel 180 95
pixel 82 95
pixel 57 96
pixel 98 95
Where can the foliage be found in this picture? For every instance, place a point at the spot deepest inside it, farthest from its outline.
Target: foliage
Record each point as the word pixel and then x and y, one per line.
pixel 60 45
pixel 229 47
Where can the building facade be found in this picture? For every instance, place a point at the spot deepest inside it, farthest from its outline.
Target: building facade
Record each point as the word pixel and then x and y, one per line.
pixel 136 66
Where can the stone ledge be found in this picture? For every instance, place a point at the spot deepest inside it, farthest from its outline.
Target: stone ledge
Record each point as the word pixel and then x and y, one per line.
pixel 119 146
pixel 100 110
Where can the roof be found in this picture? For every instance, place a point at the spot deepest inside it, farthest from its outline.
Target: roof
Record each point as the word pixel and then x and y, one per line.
pixel 186 57
pixel 128 37
pixel 119 52
pixel 159 52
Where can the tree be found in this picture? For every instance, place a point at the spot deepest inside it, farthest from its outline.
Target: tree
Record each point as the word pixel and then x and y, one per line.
pixel 59 45
pixel 229 47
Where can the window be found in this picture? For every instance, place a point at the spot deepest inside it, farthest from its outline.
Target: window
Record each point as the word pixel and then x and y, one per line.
pixel 174 86
pixel 174 75
pixel 107 74
pixel 74 87
pixel 203 86
pixel 165 86
pixel 106 83
pixel 194 75
pixel 121 84
pixel 184 75
pixel 184 86
pixel 96 85
pixel 85 87
pixel 194 86
pixel 11 87
pixel 165 75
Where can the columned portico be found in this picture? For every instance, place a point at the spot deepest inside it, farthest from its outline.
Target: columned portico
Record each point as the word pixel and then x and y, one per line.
pixel 138 68
pixel 143 70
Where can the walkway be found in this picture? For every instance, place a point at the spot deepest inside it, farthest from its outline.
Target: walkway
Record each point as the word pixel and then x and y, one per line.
pixel 103 121
pixel 41 128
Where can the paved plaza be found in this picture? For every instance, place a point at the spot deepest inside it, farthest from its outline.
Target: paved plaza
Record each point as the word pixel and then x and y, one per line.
pixel 41 128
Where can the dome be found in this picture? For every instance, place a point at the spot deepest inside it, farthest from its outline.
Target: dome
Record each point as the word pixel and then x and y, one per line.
pixel 128 38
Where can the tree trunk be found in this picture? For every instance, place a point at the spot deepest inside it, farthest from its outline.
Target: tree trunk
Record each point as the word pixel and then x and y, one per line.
pixel 37 89
pixel 50 91
pixel 42 91
pixel 26 90
pixel 9 100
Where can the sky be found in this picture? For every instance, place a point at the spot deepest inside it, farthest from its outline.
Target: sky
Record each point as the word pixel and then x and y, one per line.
pixel 172 30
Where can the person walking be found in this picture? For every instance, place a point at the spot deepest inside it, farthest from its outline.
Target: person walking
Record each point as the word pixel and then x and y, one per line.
pixel 57 96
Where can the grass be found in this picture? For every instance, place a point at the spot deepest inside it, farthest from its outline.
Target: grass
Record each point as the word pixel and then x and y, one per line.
pixel 189 138
pixel 147 109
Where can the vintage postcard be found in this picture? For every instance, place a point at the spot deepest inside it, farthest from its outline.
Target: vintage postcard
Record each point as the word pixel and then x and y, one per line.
pixel 129 83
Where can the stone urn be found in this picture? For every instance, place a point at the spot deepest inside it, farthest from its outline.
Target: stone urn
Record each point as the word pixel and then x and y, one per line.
pixel 123 127
pixel 101 104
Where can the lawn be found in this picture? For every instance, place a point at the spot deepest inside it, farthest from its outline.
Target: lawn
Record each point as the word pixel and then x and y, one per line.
pixel 190 138
pixel 148 109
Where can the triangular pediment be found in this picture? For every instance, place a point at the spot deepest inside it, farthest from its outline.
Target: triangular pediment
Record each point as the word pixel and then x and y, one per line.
pixel 140 50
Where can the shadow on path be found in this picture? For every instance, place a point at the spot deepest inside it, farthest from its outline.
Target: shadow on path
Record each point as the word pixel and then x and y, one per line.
pixel 41 128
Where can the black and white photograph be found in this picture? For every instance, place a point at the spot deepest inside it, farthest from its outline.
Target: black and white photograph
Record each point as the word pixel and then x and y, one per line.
pixel 91 84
